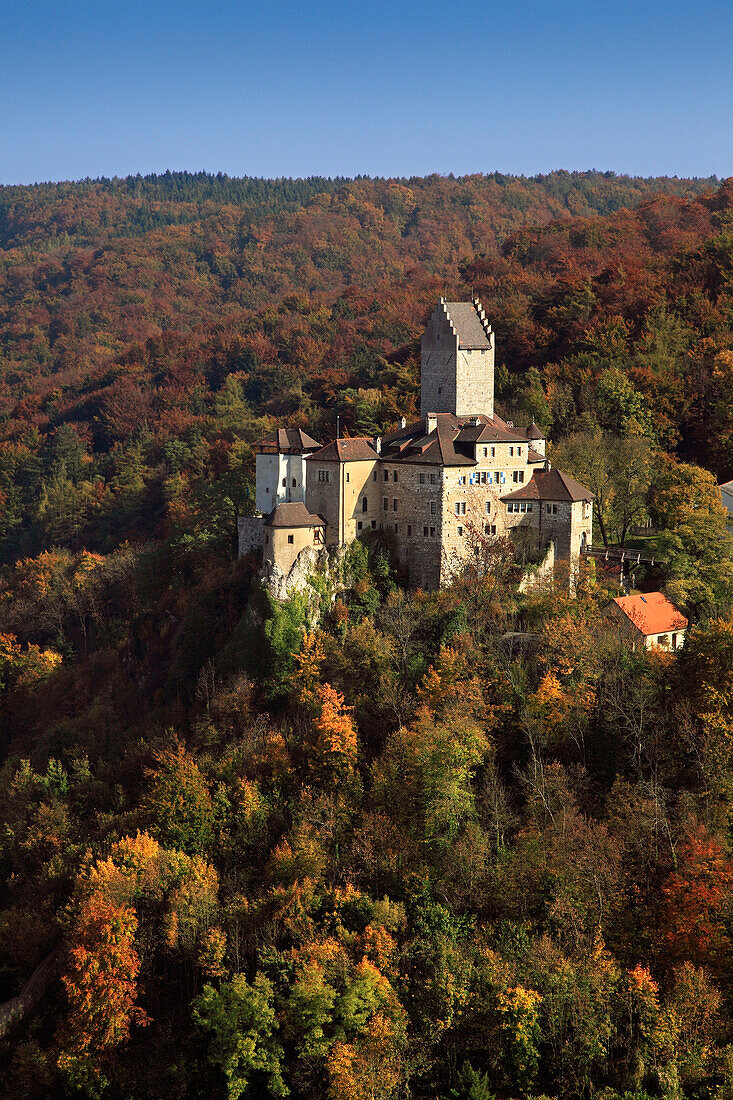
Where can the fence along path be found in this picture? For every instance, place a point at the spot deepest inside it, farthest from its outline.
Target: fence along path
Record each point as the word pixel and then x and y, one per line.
pixel 25 1002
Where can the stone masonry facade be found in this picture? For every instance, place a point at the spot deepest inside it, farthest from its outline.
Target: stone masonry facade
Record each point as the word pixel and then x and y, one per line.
pixel 429 485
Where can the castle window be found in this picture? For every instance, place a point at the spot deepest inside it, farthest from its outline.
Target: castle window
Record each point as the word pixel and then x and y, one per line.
pixel 395 528
pixel 267 490
pixel 267 539
pixel 460 531
pixel 522 507
pixel 432 479
pixel 294 482
pixel 422 479
pixel 409 531
pixel 511 452
pixel 552 509
pixel 488 507
pixel 529 507
pixel 386 475
pixel 519 451
pixel 440 388
pixel 386 504
pixel 291 539
pixel 432 532
pixel 375 475
pixel 374 524
pixel 324 475
pixel 424 532
pixel 348 477
pixel 486 452
pixel 394 505
pixel 359 525
pixel 394 476
pixel 518 476
pixel 461 479
pixel 460 507
pixel 364 505
pixel 489 528
pixel 433 507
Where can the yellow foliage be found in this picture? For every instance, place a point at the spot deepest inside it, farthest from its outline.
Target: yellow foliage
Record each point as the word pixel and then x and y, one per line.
pixel 306 677
pixel 370 1068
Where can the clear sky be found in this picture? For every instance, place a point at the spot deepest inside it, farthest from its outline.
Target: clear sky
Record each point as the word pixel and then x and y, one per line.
pixel 387 87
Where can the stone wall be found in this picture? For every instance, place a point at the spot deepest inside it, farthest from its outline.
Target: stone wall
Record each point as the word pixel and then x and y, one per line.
pixel 284 544
pixel 416 523
pixel 251 534
pixel 454 380
pixel 340 499
pixel 438 351
pixel 475 382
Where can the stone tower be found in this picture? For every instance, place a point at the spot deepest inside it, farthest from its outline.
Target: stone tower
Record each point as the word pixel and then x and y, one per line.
pixel 457 361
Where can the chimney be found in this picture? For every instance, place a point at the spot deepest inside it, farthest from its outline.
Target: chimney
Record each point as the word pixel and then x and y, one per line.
pixel 403 422
pixel 378 444
pixel 431 423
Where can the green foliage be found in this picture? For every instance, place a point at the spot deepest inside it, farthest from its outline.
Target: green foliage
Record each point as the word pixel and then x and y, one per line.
pixel 242 1024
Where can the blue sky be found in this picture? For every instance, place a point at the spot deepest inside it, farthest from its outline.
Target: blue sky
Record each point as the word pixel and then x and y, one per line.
pixel 279 87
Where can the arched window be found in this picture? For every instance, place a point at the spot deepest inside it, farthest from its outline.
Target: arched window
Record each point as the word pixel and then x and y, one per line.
pixel 295 482
pixel 364 504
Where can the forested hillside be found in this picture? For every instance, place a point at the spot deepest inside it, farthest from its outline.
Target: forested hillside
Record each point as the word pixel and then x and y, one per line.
pixel 368 843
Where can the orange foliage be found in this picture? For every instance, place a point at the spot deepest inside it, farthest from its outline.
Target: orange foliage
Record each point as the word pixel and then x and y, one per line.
pixel 696 896
pixel 336 746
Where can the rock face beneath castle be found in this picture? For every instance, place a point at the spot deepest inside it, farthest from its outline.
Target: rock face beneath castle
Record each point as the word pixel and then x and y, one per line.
pixel 458 472
pixel 281 584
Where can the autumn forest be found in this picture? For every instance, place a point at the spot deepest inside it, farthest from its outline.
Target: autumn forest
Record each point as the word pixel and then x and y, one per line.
pixel 369 843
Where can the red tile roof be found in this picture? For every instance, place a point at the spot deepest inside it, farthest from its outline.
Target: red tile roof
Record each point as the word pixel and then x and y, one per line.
pixel 651 613
pixel 357 449
pixel 292 514
pixel 551 485
pixel 286 441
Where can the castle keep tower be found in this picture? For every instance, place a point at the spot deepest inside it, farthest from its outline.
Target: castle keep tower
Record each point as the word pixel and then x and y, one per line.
pixel 457 361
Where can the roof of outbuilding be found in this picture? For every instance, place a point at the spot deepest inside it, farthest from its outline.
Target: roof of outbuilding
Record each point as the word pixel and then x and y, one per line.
pixel 551 485
pixel 468 325
pixel 292 514
pixel 357 449
pixel 287 441
pixel 651 613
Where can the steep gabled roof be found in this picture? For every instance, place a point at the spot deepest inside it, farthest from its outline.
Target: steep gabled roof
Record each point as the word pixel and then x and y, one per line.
pixel 551 485
pixel 292 514
pixel 357 449
pixel 468 325
pixel 533 432
pixel 286 441
pixel 651 613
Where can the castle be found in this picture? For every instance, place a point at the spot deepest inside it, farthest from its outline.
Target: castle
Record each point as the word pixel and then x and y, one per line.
pixel 459 469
